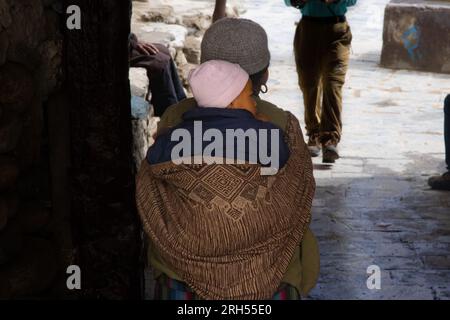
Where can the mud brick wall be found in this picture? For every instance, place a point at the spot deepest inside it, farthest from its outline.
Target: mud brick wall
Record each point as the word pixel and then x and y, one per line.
pixel 66 168
pixel 31 45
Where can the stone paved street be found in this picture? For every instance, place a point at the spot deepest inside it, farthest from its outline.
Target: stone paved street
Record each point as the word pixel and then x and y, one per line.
pixel 374 205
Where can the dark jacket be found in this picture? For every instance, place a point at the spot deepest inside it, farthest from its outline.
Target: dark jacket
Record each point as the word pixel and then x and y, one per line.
pixel 222 119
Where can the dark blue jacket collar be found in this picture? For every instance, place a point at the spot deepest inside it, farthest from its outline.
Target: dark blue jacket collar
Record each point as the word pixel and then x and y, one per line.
pixel 200 113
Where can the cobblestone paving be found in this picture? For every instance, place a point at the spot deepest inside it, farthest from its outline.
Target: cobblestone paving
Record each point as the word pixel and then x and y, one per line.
pixel 373 206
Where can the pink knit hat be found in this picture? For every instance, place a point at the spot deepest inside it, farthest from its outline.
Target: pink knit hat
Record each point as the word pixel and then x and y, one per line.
pixel 216 83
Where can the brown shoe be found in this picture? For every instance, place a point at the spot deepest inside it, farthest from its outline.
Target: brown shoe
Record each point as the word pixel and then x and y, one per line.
pixel 330 153
pixel 314 145
pixel 440 182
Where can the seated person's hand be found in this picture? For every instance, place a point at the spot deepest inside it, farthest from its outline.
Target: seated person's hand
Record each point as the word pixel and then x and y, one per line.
pixel 146 48
pixel 142 47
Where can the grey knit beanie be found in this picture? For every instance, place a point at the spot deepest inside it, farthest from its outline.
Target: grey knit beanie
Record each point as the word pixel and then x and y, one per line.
pixel 235 40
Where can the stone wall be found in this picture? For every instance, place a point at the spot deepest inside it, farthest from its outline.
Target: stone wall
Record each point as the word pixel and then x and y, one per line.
pixel 144 123
pixel 31 251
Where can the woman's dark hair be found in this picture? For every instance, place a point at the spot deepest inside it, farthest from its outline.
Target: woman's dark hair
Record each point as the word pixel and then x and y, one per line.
pixel 257 80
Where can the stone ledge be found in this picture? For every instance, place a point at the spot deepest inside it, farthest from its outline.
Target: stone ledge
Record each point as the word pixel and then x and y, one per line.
pixel 144 126
pixel 416 36
pixel 139 82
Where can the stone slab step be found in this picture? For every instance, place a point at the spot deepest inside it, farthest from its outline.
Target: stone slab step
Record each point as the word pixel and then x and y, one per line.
pixel 416 35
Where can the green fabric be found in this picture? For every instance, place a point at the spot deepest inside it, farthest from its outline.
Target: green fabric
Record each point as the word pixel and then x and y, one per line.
pixel 303 271
pixel 155 261
pixel 316 8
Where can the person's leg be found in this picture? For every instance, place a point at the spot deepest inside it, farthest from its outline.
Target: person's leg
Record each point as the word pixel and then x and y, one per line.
pixel 442 182
pixel 167 288
pixel 181 95
pixel 165 83
pixel 161 78
pixel 161 86
pixel 286 292
pixel 336 65
pixel 447 130
pixel 306 49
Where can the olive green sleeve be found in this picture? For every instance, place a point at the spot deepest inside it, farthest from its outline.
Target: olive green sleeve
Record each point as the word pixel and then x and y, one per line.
pixel 276 115
pixel 174 114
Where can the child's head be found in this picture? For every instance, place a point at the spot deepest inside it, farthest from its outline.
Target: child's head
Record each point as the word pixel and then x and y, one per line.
pixel 221 84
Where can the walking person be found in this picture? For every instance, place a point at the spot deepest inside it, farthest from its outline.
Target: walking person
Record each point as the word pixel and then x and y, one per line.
pixel 322 48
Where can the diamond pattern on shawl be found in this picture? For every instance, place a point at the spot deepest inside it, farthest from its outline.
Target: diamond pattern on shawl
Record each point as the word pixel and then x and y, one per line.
pixel 203 193
pixel 235 214
pixel 250 192
pixel 224 182
pixel 184 180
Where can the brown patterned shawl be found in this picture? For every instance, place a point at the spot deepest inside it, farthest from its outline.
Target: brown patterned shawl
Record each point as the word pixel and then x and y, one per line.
pixel 227 231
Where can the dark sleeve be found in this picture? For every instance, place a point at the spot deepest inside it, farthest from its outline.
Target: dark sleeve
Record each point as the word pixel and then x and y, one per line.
pixel 133 38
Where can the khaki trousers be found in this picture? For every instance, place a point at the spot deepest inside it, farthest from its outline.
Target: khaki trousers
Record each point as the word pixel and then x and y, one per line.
pixel 321 54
